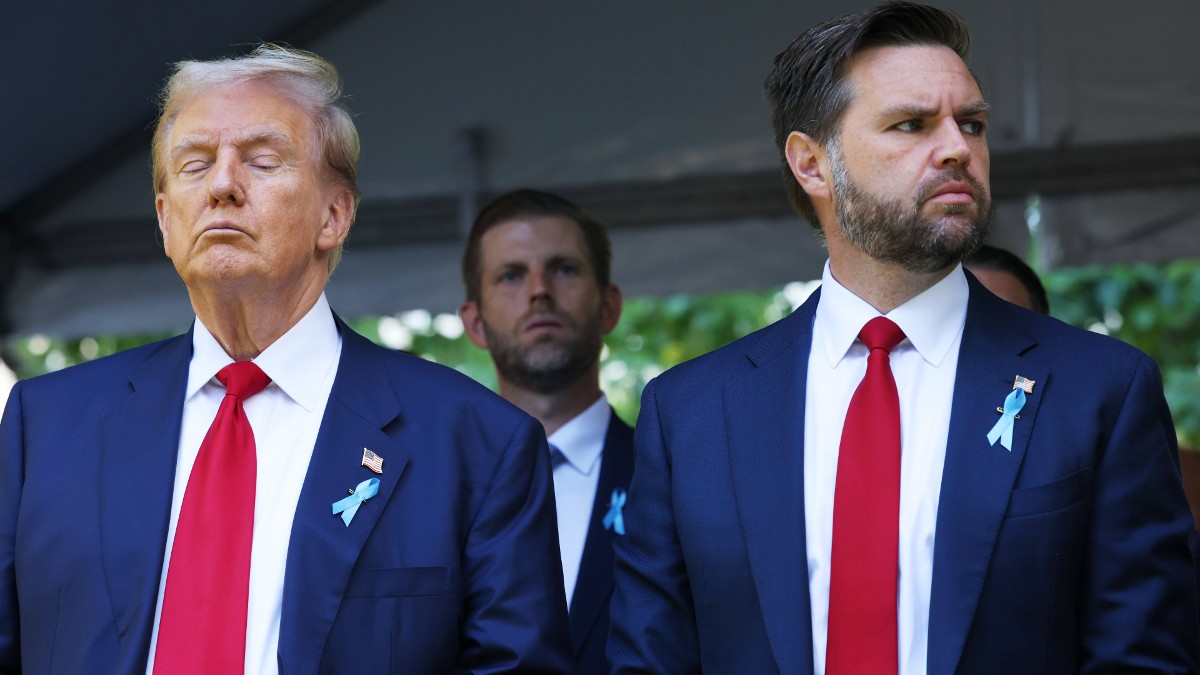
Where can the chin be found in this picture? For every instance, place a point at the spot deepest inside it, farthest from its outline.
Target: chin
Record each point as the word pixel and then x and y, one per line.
pixel 220 271
pixel 960 225
pixel 543 356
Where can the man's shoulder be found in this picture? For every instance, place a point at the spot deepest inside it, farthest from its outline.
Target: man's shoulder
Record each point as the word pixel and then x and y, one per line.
pixel 1091 365
pixel 1049 335
pixel 699 384
pixel 423 384
pixel 754 350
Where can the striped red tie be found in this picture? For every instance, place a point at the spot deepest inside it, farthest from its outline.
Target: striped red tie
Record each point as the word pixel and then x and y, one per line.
pixel 202 629
pixel 866 519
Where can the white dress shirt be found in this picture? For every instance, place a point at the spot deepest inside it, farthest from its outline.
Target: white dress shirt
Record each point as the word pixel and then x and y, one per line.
pixel 581 441
pixel 285 417
pixel 924 366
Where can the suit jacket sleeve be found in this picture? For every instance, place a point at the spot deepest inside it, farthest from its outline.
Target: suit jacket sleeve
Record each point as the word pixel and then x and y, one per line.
pixel 10 496
pixel 515 616
pixel 653 621
pixel 1140 605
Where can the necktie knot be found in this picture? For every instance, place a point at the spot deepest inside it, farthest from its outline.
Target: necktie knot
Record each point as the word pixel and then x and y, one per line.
pixel 243 379
pixel 881 333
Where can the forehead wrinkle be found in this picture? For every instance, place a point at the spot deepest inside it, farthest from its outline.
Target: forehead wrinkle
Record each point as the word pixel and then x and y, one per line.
pixel 919 110
pixel 864 68
pixel 524 258
pixel 254 136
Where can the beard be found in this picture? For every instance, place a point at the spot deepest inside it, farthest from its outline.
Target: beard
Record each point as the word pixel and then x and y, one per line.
pixel 891 230
pixel 550 363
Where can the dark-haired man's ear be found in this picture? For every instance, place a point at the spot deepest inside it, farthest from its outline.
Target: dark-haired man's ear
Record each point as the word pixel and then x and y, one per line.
pixel 810 166
pixel 610 308
pixel 473 323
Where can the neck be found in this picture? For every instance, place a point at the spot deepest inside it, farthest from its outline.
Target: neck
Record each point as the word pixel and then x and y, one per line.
pixel 555 409
pixel 883 285
pixel 245 324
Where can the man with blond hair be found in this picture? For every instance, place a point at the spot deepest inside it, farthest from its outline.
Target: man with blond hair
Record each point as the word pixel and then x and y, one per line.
pixel 270 492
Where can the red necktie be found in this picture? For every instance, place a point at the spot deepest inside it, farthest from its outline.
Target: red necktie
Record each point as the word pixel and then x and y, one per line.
pixel 203 624
pixel 866 519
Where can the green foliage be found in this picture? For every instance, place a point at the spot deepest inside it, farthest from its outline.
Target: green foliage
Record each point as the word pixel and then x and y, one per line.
pixel 436 338
pixel 38 354
pixel 655 334
pixel 1155 308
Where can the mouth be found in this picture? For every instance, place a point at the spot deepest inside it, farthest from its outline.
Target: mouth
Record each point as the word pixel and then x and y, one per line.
pixel 221 228
pixel 542 324
pixel 953 192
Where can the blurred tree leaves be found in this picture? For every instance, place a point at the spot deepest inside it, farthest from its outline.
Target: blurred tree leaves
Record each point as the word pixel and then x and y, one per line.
pixel 38 354
pixel 655 334
pixel 1155 308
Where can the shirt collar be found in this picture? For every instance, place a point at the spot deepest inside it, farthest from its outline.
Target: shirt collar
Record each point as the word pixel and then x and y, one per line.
pixel 931 321
pixel 581 440
pixel 297 362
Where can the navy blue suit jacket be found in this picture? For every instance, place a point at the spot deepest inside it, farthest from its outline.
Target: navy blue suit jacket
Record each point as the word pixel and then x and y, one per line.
pixel 593 587
pixel 452 566
pixel 1066 554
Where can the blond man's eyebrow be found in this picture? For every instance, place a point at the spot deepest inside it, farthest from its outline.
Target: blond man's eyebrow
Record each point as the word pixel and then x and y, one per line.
pixel 249 138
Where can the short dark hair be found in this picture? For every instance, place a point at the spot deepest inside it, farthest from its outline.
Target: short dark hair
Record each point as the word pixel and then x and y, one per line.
pixel 1000 260
pixel 807 89
pixel 524 203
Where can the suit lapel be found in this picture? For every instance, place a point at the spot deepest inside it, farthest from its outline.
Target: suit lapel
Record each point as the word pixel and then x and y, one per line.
pixel 595 581
pixel 323 550
pixel 978 477
pixel 139 446
pixel 764 412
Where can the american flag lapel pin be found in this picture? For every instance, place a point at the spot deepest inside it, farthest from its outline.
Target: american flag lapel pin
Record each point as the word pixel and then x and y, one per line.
pixel 1010 413
pixel 1024 384
pixel 372 461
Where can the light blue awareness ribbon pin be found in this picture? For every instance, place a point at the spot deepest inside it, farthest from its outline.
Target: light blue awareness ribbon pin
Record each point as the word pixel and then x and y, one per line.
pixel 613 520
pixel 349 506
pixel 1004 426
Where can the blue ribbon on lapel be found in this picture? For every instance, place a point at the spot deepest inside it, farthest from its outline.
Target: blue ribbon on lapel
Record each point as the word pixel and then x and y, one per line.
pixel 349 506
pixel 1003 430
pixel 614 520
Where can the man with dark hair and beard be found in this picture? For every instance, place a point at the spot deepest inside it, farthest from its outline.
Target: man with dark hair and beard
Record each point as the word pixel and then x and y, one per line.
pixel 539 298
pixel 907 475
